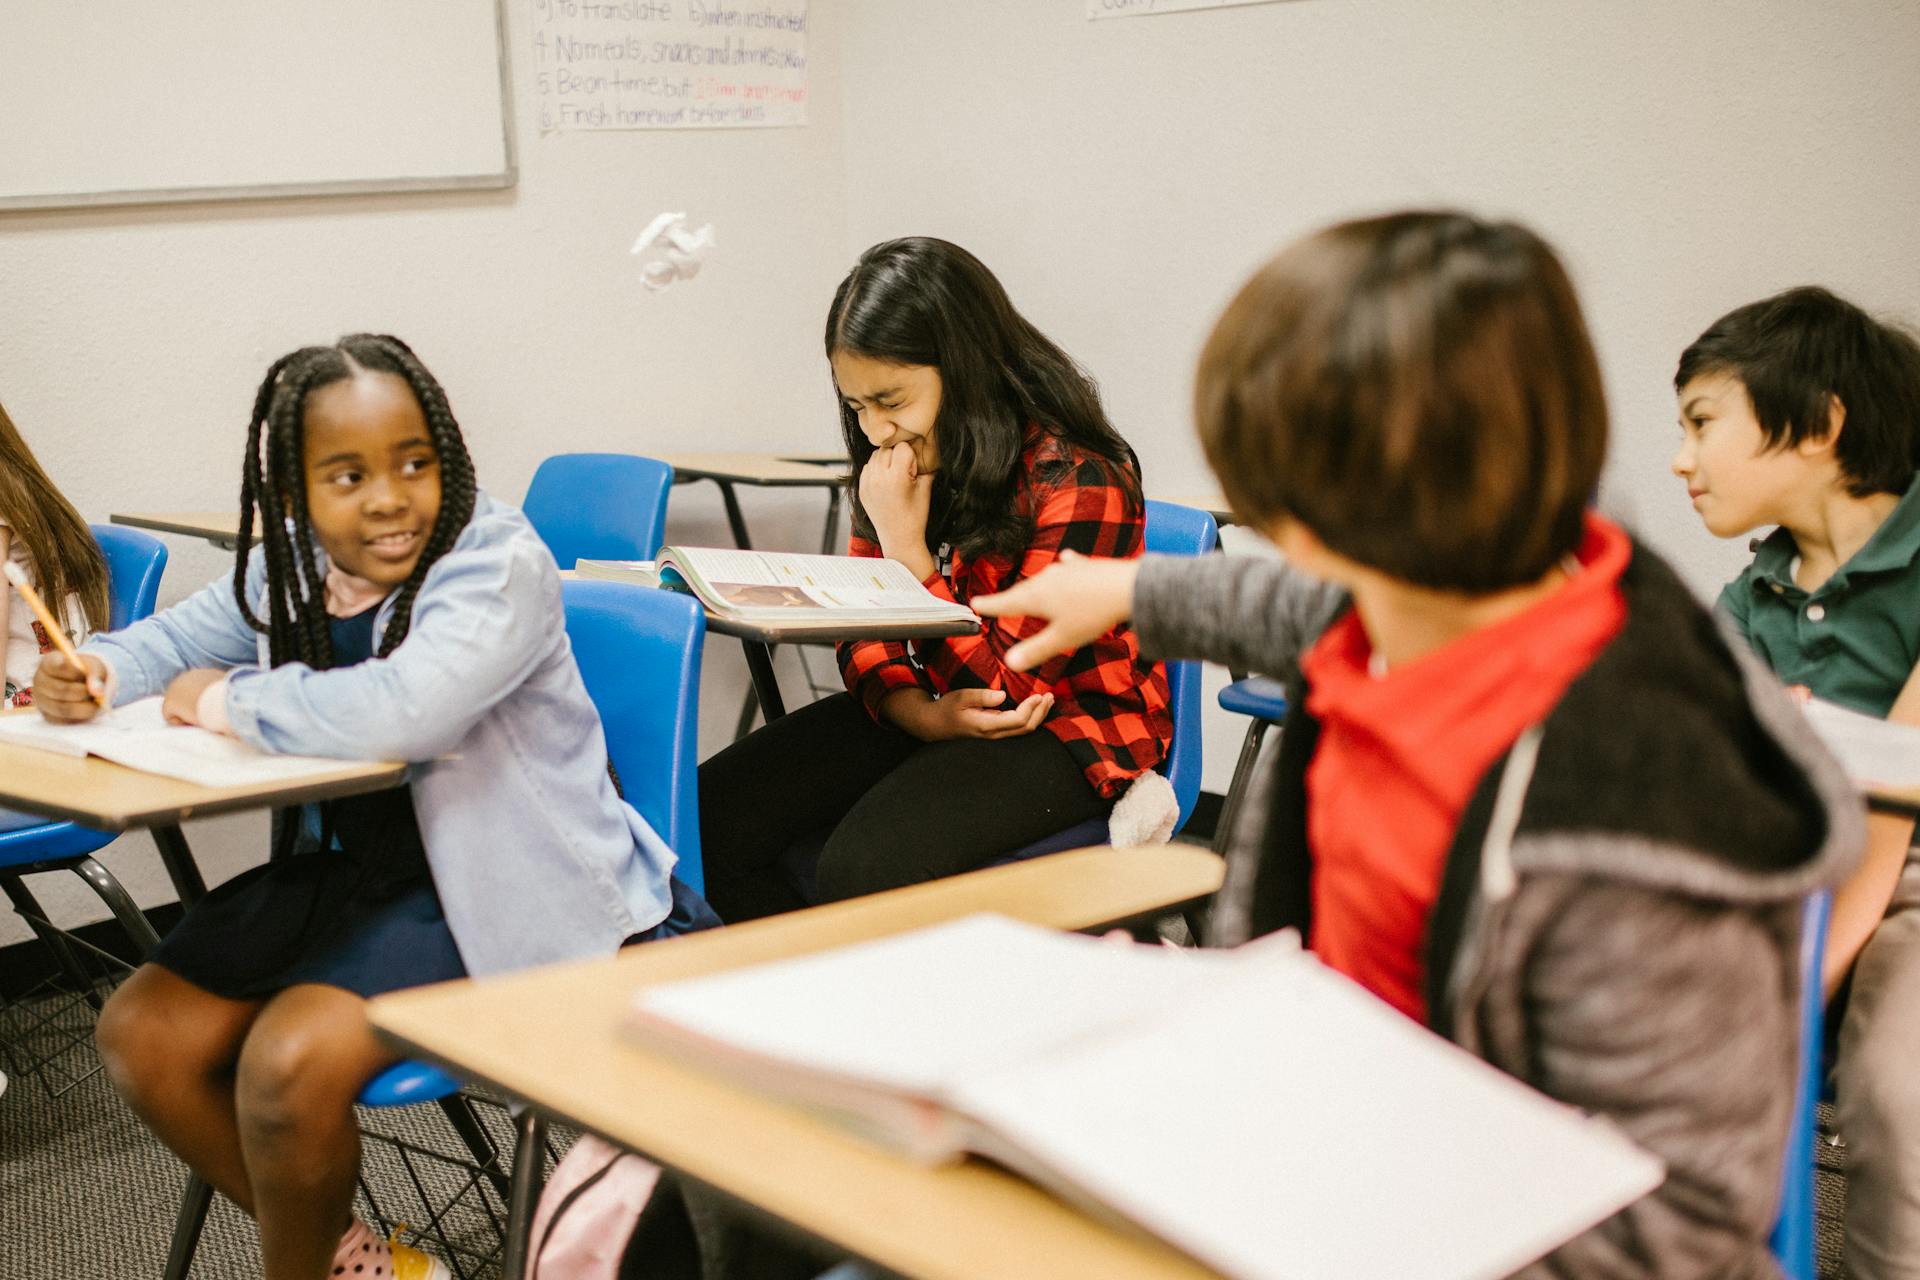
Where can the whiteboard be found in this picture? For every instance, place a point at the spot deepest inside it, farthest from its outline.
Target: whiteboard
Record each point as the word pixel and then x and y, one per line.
pixel 140 102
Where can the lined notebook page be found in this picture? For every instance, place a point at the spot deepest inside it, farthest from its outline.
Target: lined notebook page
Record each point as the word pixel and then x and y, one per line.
pixel 921 1011
pixel 138 736
pixel 1291 1125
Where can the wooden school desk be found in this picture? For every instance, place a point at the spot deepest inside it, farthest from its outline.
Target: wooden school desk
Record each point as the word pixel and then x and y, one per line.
pixel 549 1038
pixel 767 470
pixel 221 528
pixel 1881 798
pixel 764 470
pixel 758 639
pixel 109 797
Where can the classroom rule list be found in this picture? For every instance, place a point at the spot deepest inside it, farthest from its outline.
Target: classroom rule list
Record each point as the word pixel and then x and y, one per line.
pixel 669 64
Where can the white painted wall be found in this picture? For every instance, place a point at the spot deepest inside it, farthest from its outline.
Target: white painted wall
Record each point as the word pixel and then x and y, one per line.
pixel 131 341
pixel 1124 177
pixel 1121 177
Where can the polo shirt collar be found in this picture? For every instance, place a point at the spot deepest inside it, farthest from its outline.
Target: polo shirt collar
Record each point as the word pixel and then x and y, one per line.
pixel 1893 546
pixel 1895 543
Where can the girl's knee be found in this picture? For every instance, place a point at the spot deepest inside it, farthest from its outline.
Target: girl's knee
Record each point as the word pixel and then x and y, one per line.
pixel 139 1042
pixel 289 1077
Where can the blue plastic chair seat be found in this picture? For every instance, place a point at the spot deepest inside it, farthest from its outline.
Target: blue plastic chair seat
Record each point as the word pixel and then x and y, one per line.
pixel 405 1083
pixel 48 842
pixel 1260 697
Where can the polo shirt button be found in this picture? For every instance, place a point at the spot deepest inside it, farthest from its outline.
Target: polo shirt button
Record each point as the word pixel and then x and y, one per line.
pixel 1816 612
pixel 1778 589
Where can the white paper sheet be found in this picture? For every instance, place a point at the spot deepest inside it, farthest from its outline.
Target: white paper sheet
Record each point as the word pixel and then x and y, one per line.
pixel 1250 1107
pixel 1868 748
pixel 138 736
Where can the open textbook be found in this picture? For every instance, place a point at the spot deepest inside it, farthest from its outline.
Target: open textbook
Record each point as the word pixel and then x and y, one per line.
pixel 1868 748
pixel 783 586
pixel 137 735
pixel 1252 1108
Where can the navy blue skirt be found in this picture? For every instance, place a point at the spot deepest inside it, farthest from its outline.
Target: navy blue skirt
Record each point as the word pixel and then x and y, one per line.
pixel 317 918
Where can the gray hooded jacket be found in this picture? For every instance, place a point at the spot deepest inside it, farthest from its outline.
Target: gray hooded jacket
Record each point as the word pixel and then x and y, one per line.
pixel 1618 919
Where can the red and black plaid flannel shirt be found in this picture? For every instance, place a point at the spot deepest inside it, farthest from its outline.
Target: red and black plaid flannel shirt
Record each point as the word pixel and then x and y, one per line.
pixel 1110 708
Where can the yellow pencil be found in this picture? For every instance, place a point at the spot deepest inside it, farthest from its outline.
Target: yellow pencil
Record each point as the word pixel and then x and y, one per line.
pixel 18 577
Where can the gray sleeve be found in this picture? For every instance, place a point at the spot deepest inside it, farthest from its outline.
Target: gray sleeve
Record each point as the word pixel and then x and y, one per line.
pixel 1244 612
pixel 1674 1019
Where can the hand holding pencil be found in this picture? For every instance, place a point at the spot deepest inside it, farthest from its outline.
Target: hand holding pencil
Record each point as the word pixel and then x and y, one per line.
pixel 63 673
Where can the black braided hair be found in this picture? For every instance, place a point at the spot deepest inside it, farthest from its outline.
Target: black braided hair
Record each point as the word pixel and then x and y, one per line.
pixel 273 482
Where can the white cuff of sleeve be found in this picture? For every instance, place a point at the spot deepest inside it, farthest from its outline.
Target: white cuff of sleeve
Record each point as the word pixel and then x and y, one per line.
pixel 110 692
pixel 211 710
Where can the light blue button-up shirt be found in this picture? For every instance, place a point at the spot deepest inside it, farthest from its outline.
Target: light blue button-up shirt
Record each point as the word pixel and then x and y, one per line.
pixel 535 858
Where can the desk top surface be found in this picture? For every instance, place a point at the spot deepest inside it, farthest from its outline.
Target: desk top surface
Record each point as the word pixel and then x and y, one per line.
pixel 754 468
pixel 215 526
pixel 832 630
pixel 549 1037
pixel 98 793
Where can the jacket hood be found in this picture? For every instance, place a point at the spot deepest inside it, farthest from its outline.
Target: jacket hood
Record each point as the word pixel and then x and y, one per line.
pixel 1715 783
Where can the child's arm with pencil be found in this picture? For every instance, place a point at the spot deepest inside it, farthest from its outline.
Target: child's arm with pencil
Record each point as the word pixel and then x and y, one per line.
pixel 204 632
pixel 89 680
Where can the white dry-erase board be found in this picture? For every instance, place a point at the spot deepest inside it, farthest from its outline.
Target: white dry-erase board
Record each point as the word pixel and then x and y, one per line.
pixel 137 102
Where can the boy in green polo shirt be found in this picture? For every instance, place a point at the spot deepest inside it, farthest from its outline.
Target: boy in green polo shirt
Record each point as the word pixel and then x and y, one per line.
pixel 1803 412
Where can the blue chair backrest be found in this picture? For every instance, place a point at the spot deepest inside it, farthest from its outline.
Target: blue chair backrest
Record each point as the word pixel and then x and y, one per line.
pixel 599 506
pixel 1174 530
pixel 1792 1239
pixel 135 562
pixel 639 653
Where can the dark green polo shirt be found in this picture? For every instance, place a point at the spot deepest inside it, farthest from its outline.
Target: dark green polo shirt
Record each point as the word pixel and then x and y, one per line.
pixel 1855 640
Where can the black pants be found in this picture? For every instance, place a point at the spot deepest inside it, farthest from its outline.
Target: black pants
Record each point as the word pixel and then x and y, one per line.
pixel 892 810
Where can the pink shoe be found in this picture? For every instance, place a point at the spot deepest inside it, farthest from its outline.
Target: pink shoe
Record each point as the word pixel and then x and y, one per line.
pixel 362 1255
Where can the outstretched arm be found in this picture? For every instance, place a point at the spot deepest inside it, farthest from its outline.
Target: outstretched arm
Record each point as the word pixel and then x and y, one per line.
pixel 1251 614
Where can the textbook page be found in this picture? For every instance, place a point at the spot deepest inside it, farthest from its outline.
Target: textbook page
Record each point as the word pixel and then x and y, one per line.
pixel 749 581
pixel 1289 1124
pixel 1869 749
pixel 920 1011
pixel 138 736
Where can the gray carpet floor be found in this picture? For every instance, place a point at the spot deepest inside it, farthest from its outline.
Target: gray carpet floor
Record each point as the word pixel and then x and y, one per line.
pixel 86 1191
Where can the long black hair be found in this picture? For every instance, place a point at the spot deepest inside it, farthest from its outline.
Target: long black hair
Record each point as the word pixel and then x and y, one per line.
pixel 273 482
pixel 921 301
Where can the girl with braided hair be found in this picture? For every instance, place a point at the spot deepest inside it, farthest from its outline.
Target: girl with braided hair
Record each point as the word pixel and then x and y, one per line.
pixel 391 611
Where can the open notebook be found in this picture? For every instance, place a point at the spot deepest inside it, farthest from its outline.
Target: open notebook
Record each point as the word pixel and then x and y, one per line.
pixel 1252 1108
pixel 1869 748
pixel 137 735
pixel 786 587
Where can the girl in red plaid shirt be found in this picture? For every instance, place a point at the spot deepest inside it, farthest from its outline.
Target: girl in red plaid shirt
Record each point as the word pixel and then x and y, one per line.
pixel 981 455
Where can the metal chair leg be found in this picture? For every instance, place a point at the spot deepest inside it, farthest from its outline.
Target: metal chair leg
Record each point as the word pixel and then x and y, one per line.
pixel 1236 789
pixel 529 1153
pixel 121 903
pixel 186 1227
pixel 29 909
pixel 479 1143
